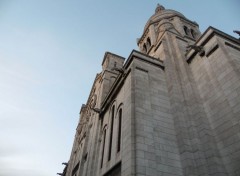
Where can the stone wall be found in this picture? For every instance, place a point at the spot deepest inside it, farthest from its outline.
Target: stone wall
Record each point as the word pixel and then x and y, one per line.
pixel 156 146
pixel 218 81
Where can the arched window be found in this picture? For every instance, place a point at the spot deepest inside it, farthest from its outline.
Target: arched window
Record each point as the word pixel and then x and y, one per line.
pixel 111 134
pixel 144 48
pixel 193 33
pixel 119 130
pixel 103 146
pixel 185 30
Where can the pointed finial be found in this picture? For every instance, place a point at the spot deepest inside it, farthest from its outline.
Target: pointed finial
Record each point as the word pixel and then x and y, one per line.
pixel 159 8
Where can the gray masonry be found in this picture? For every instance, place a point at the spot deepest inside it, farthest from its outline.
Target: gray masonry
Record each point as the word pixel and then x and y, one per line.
pixel 170 109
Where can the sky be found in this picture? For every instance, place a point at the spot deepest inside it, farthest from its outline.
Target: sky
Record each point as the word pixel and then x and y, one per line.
pixel 50 52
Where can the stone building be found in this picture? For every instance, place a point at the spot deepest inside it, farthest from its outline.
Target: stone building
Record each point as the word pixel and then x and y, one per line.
pixel 170 109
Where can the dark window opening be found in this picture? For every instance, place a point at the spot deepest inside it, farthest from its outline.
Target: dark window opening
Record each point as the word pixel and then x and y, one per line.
pixel 119 130
pixel 111 134
pixel 85 157
pixel 148 43
pixel 75 169
pixel 115 171
pixel 193 33
pixel 185 30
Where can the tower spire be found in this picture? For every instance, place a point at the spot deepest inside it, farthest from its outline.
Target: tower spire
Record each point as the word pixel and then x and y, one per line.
pixel 159 8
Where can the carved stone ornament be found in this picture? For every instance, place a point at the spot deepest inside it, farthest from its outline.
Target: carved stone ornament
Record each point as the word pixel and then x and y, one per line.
pixel 88 113
pixel 199 49
pixel 79 140
pixel 93 101
pixel 87 117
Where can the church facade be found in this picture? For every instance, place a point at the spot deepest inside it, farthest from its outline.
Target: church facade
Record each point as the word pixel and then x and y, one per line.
pixel 170 109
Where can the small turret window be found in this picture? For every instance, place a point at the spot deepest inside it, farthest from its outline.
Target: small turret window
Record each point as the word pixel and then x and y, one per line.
pixel 185 30
pixel 193 33
pixel 148 43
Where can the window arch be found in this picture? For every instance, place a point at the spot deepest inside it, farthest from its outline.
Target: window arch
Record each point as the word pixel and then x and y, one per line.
pixel 119 127
pixel 119 136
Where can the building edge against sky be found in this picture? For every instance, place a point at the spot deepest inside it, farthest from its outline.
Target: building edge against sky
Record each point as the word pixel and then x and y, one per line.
pixel 171 109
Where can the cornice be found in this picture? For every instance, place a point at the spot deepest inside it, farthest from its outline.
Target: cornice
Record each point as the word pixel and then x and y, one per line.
pixel 119 82
pixel 205 38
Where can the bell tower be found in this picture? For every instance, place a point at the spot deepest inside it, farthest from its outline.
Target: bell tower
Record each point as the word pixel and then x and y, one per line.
pixel 165 21
pixel 167 37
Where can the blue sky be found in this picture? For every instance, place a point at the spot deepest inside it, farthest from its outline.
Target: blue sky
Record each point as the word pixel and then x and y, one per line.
pixel 50 52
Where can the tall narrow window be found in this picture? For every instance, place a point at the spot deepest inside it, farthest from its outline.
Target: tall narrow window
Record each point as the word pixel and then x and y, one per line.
pixel 148 43
pixel 111 134
pixel 104 138
pixel 119 130
pixel 75 169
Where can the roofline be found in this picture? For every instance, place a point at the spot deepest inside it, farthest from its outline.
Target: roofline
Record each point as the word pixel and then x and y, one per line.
pixel 150 23
pixel 109 53
pixel 135 52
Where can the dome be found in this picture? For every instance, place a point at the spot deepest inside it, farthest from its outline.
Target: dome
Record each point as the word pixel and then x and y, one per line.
pixel 162 13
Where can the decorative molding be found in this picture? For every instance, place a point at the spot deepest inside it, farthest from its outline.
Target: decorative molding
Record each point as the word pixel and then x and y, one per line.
pixel 232 46
pixel 93 101
pixel 181 39
pixel 141 69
